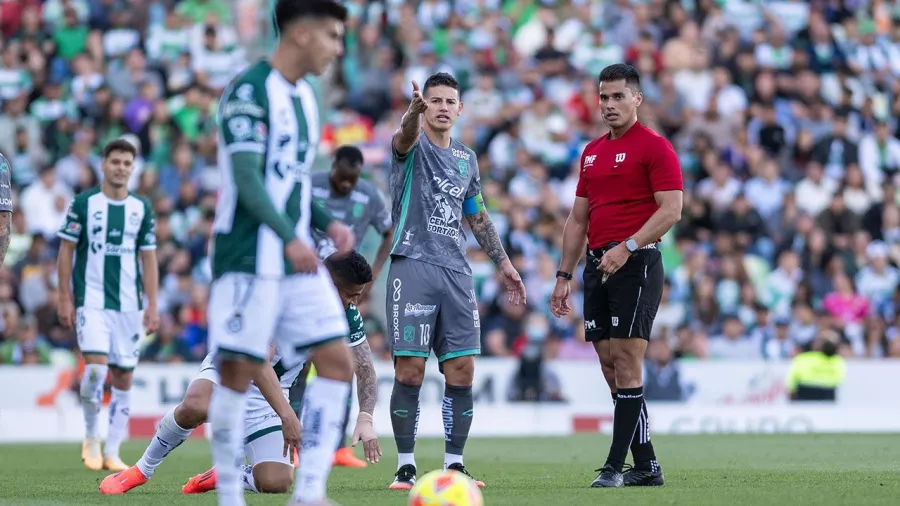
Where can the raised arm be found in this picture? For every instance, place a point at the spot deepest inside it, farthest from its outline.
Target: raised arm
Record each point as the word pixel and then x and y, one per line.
pixel 411 124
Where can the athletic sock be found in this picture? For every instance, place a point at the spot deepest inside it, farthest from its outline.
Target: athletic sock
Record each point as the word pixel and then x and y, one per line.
pixel 457 411
pixel 627 413
pixel 641 447
pixel 325 403
pixel 168 436
pixel 119 411
pixel 248 479
pixel 226 420
pixel 91 394
pixel 405 402
pixel 343 441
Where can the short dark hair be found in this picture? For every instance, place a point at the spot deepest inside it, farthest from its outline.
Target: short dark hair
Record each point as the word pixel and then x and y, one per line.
pixel 350 154
pixel 350 268
pixel 619 72
pixel 440 79
pixel 288 11
pixel 119 145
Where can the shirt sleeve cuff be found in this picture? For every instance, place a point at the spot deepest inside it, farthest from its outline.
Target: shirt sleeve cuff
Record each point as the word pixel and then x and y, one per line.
pixel 67 237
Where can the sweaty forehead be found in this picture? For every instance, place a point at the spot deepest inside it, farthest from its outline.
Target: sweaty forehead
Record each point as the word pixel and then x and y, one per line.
pixel 445 92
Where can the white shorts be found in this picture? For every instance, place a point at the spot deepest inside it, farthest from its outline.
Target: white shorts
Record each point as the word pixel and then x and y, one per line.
pixel 297 313
pixel 115 334
pixel 263 440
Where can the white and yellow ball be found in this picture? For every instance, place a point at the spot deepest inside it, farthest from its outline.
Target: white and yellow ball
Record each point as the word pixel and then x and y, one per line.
pixel 445 488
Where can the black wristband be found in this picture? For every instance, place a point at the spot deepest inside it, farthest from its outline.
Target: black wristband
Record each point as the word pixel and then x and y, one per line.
pixel 564 275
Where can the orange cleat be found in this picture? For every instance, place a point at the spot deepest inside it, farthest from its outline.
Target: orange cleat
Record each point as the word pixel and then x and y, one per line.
pixel 123 481
pixel 345 458
pixel 201 483
pixel 295 459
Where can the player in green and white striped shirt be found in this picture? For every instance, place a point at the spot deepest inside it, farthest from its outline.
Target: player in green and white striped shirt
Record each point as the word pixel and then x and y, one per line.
pixel 105 229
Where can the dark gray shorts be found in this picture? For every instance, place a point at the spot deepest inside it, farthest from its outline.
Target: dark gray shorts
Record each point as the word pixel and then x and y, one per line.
pixel 431 308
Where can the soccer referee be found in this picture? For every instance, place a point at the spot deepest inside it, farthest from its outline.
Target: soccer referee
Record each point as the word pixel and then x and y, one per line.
pixel 629 195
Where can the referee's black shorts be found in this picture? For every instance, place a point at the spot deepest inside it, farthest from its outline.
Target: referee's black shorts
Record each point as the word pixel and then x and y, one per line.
pixel 625 305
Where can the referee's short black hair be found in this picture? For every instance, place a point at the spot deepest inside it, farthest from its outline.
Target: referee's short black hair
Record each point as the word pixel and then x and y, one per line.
pixel 288 11
pixel 619 72
pixel 440 79
pixel 350 268
pixel 350 154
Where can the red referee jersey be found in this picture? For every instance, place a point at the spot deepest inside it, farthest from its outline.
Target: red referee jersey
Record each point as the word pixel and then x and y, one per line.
pixel 619 178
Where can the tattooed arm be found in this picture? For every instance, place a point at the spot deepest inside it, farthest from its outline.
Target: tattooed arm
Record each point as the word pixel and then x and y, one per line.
pixel 486 235
pixel 366 382
pixel 5 232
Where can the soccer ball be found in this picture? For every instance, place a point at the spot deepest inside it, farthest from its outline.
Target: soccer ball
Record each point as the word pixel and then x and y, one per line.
pixel 445 488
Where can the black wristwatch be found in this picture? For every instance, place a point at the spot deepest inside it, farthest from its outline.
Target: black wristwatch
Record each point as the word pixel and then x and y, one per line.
pixel 564 275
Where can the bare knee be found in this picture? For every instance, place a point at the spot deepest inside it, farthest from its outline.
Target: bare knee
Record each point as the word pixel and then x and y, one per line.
pixel 332 361
pixel 120 379
pixel 628 360
pixel 191 413
pixel 459 371
pixel 409 370
pixel 607 364
pixel 273 478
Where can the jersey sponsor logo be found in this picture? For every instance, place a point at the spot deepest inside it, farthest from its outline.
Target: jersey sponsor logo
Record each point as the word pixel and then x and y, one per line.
pixel 407 237
pixel 476 319
pixel 589 160
pixel 115 233
pixel 615 321
pixel 448 187
pixel 590 325
pixel 620 157
pixel 118 250
pixel 241 128
pixel 397 284
pixel 5 202
pixel 443 221
pixel 461 153
pixel 242 109
pixel 98 215
pixel 418 309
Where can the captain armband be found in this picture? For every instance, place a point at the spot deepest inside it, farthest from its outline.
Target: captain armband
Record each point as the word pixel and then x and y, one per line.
pixel 473 205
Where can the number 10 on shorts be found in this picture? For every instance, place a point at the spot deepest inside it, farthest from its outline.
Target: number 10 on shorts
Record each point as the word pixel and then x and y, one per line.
pixel 425 333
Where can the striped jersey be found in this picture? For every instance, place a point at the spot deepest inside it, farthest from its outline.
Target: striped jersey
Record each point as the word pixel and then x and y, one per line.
pixel 108 234
pixel 262 113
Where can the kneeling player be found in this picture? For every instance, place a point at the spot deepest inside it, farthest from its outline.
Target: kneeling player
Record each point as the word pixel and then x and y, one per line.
pixel 266 442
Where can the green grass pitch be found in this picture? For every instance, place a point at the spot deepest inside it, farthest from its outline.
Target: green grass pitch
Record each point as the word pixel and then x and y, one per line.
pixel 731 470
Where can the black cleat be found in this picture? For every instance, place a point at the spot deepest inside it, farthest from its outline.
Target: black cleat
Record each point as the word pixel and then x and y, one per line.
pixel 404 478
pixel 462 469
pixel 608 478
pixel 643 477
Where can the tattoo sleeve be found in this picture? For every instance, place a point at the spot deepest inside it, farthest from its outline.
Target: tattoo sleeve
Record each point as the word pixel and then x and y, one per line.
pixel 366 382
pixel 486 235
pixel 5 232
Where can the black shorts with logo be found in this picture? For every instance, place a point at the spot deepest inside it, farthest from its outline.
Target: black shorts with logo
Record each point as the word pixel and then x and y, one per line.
pixel 625 304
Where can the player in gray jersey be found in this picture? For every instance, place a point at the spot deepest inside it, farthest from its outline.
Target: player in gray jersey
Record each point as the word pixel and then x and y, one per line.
pixel 354 201
pixel 431 297
pixel 5 206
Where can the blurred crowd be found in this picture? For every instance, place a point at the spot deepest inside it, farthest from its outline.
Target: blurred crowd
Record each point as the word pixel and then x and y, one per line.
pixel 782 113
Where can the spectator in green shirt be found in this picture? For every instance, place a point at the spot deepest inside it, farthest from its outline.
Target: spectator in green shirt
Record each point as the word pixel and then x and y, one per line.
pixel 71 38
pixel 197 10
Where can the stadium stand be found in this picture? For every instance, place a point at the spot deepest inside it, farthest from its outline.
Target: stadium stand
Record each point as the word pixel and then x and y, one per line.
pixel 782 112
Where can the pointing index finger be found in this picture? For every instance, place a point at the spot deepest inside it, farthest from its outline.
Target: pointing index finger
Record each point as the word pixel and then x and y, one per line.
pixel 415 86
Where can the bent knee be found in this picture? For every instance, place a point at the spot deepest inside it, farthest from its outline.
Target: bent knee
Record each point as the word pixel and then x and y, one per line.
pixel 272 479
pixel 459 371
pixel 192 411
pixel 409 370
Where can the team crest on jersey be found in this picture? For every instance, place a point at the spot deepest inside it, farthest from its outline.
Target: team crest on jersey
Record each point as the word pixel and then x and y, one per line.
pixel 4 165
pixel 235 324
pixel 409 333
pixel 134 219
pixel 463 167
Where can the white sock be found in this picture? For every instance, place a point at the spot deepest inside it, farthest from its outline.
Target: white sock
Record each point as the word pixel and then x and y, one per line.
pixel 248 479
pixel 226 419
pixel 323 416
pixel 92 396
pixel 119 411
pixel 406 459
pixel 450 458
pixel 168 436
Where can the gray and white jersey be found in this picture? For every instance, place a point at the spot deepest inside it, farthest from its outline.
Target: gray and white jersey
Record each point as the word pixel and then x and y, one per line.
pixel 362 208
pixel 5 182
pixel 428 187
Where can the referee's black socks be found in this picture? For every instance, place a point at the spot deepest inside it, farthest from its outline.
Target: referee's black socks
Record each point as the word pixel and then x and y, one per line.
pixel 641 446
pixel 629 403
